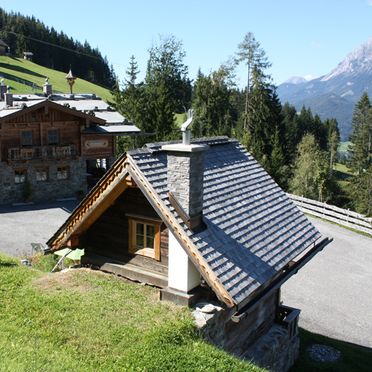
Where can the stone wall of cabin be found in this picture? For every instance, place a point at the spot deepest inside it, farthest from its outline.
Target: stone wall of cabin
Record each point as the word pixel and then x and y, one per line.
pixel 259 336
pixel 109 235
pixel 51 189
pixel 236 337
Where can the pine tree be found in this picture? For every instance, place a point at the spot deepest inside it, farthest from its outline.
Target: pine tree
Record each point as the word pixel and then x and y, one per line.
pixel 214 112
pixel 251 53
pixel 167 87
pixel 361 161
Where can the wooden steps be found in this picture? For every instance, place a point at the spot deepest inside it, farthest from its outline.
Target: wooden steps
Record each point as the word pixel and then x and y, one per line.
pixel 127 270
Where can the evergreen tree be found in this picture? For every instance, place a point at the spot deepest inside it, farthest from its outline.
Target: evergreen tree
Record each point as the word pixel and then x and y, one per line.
pixel 264 113
pixel 361 161
pixel 213 98
pixel 361 137
pixel 310 170
pixel 167 87
pixel 251 53
pixel 333 140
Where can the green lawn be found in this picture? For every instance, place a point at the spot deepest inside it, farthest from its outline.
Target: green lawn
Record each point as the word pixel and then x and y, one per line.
pixel 89 321
pixel 20 74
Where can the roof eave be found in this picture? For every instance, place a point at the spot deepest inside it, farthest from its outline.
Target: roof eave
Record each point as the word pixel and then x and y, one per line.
pixel 245 306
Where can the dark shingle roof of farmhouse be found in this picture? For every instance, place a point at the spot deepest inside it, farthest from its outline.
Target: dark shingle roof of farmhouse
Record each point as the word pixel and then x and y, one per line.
pixel 253 228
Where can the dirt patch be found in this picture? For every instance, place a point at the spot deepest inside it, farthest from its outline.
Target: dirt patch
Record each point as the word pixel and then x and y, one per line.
pixel 66 279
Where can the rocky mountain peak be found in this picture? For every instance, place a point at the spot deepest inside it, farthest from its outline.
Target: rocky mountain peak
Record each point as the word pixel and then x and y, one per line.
pixel 357 62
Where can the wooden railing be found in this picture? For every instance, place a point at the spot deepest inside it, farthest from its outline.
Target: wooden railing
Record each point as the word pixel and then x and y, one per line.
pixel 41 152
pixel 335 214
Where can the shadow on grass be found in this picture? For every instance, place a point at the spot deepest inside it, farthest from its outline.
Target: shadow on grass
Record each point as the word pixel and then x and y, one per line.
pixel 7 264
pixel 20 69
pixel 354 358
pixel 19 80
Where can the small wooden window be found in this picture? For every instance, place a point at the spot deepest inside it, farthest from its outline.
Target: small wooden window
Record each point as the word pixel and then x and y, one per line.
pixel 144 238
pixel 20 176
pixel 53 137
pixel 42 174
pixel 26 138
pixel 63 173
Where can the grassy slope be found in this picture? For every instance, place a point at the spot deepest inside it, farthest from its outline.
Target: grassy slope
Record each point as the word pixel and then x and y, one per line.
pixel 19 74
pixel 88 321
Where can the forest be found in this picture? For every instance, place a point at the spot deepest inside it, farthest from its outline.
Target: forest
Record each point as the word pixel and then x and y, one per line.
pixel 54 49
pixel 298 149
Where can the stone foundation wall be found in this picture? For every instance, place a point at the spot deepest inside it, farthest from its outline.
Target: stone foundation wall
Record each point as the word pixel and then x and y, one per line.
pixel 33 190
pixel 256 337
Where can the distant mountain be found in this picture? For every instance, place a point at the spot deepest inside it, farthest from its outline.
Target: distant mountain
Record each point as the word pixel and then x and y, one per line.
pixel 296 80
pixel 334 94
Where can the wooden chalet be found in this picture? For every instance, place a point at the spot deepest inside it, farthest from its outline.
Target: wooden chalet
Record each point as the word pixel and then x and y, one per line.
pixel 197 219
pixel 53 145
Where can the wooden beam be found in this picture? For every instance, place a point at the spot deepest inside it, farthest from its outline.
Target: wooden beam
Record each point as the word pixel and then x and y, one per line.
pixel 102 205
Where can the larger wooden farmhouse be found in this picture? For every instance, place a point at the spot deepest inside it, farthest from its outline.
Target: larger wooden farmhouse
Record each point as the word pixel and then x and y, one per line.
pixel 52 145
pixel 195 219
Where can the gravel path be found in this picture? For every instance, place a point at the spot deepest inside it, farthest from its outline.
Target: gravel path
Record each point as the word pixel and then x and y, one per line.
pixel 334 290
pixel 20 226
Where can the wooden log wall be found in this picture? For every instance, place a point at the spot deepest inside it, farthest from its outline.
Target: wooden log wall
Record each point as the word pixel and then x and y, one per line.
pixel 109 235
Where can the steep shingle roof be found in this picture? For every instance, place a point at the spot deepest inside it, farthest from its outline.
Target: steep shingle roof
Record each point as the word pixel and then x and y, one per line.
pixel 253 229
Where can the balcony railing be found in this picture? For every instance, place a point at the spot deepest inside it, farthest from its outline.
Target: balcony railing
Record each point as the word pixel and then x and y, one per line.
pixel 41 152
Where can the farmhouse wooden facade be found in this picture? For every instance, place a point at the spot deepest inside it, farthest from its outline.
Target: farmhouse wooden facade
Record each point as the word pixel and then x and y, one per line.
pixel 51 149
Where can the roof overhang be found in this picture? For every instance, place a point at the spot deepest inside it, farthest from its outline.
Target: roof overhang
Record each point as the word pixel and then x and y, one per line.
pixel 245 307
pixel 50 104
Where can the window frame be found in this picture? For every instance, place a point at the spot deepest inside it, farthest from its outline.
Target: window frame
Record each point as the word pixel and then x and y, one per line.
pixel 146 251
pixel 23 132
pixel 56 135
pixel 67 167
pixel 17 174
pixel 39 171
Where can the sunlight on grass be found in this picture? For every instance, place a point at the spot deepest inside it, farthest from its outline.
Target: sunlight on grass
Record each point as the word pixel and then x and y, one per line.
pixel 12 69
pixel 82 320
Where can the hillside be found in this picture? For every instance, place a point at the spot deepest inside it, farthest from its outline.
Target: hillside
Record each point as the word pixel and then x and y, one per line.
pixel 28 77
pixel 84 320
pixel 54 49
pixel 334 94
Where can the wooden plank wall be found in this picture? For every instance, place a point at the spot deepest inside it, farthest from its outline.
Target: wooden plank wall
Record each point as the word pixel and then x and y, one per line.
pixel 109 237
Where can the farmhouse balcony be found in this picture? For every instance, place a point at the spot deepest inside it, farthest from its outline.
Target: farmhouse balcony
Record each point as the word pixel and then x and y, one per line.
pixel 41 152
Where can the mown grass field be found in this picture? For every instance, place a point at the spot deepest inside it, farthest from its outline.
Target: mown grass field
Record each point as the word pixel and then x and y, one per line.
pixel 20 75
pixel 88 321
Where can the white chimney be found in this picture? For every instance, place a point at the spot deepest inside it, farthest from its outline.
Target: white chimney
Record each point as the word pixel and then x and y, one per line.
pixel 2 90
pixel 47 88
pixel 8 97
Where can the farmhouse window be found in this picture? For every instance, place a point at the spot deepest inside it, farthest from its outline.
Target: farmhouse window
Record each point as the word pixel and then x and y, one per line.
pixel 26 138
pixel 42 174
pixel 63 173
pixel 20 176
pixel 53 137
pixel 144 238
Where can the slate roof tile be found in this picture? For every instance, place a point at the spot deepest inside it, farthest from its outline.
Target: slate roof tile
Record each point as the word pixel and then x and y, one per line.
pixel 253 229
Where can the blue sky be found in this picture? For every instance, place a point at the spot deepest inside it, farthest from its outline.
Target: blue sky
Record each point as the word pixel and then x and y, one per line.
pixel 301 38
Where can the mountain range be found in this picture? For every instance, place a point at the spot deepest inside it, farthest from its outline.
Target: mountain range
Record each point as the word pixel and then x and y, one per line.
pixel 334 95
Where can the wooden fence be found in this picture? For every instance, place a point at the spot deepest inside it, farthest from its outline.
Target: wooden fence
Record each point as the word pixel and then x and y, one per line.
pixel 335 214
